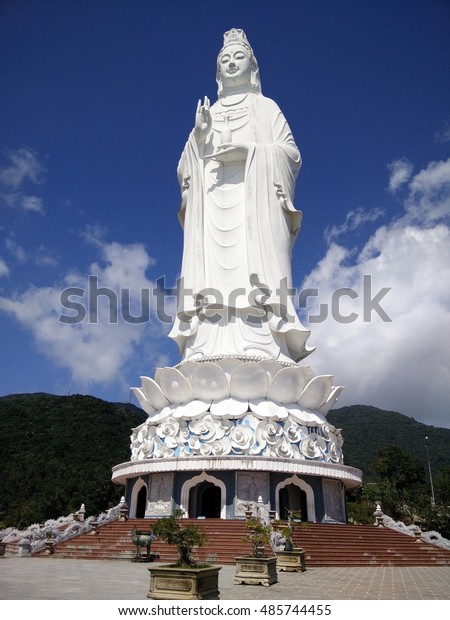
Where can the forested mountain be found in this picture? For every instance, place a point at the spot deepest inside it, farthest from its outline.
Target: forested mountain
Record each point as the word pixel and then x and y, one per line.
pixel 367 429
pixel 57 451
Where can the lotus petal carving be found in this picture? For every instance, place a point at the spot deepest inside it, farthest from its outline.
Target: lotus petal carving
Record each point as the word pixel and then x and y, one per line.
pixel 153 393
pixel 174 385
pixel 142 400
pixel 249 381
pixel 315 393
pixel 305 416
pixel 271 367
pixel 241 381
pixel 268 409
pixel 235 406
pixel 332 398
pixel 209 381
pixel 287 385
pixel 192 410
pixel 229 365
pixel 229 407
pixel 188 369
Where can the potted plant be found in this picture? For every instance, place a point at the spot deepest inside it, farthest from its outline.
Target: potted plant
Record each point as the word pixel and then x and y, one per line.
pixel 185 579
pixel 289 558
pixel 258 568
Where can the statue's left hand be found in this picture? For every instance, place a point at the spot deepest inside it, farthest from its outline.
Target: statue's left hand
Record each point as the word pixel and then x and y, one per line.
pixel 230 152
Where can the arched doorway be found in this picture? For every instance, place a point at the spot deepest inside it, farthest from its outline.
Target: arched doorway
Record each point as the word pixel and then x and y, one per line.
pixel 299 495
pixel 141 502
pixel 138 500
pixel 204 501
pixel 204 496
pixel 293 498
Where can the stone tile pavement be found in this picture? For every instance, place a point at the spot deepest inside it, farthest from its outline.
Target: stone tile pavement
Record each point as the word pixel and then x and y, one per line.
pixel 59 579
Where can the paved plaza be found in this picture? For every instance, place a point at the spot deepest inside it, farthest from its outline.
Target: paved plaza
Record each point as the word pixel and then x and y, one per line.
pixel 59 579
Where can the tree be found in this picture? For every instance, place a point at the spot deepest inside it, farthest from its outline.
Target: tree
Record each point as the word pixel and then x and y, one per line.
pixel 402 481
pixel 442 486
pixel 184 538
pixel 402 470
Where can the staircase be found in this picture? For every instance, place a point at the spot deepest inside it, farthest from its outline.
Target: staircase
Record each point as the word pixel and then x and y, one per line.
pixel 324 545
pixel 365 545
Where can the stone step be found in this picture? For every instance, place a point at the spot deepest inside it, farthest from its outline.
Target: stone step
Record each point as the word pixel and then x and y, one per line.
pixel 324 545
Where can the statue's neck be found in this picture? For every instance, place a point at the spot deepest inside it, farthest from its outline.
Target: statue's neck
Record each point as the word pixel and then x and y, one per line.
pixel 237 90
pixel 234 97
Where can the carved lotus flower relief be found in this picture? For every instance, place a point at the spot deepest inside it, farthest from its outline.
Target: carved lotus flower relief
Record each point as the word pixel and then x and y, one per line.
pixel 237 407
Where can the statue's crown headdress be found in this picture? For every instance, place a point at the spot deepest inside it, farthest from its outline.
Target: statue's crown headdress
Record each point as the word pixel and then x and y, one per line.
pixel 236 36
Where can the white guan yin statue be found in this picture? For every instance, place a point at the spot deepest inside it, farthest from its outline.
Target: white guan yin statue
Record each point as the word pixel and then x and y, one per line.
pixel 239 389
pixel 237 175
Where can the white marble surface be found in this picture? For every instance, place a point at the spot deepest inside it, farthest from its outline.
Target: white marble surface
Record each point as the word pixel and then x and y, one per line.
pixel 237 175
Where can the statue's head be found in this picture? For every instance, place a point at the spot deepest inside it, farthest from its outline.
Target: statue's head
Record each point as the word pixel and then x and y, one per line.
pixel 236 63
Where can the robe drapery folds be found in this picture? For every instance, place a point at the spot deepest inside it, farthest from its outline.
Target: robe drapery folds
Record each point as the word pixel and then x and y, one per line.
pixel 240 225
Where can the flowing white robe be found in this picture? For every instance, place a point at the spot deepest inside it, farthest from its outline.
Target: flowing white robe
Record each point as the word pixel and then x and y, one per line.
pixel 240 225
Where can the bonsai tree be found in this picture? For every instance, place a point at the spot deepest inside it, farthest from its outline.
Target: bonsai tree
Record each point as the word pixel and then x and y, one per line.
pixel 287 532
pixel 259 535
pixel 284 530
pixel 184 538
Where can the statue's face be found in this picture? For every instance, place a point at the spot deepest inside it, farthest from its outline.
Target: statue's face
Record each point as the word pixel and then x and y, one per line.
pixel 234 66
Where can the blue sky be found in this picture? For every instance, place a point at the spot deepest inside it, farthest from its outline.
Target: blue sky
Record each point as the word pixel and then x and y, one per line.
pixel 97 101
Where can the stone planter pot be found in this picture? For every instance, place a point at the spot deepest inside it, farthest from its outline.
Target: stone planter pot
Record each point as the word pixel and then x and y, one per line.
pixel 291 561
pixel 256 571
pixel 184 583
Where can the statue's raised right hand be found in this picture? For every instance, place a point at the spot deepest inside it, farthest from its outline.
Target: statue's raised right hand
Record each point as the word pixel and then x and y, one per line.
pixel 203 120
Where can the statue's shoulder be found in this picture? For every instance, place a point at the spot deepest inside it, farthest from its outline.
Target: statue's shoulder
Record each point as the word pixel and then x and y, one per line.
pixel 266 104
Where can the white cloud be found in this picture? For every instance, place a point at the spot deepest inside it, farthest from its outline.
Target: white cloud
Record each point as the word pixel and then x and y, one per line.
pixel 16 250
pixel 353 220
pixel 400 172
pixel 403 365
pixel 19 200
pixel 4 269
pixel 45 257
pixel 42 256
pixel 429 193
pixel 444 134
pixel 95 353
pixel 25 166
pixel 94 234
pixel 32 203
